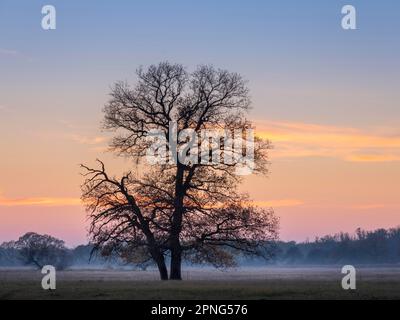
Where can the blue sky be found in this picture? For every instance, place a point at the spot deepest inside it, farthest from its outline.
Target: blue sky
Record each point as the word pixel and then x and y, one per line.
pixel 298 45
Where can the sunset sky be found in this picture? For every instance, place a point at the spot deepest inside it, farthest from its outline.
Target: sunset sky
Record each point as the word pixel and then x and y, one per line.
pixel 327 98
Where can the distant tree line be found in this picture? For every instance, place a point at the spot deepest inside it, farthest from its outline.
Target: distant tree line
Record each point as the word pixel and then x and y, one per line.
pixel 37 250
pixel 380 246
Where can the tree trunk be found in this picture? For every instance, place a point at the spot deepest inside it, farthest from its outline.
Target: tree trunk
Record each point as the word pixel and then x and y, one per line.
pixel 158 258
pixel 176 262
pixel 175 247
pixel 162 268
pixel 175 244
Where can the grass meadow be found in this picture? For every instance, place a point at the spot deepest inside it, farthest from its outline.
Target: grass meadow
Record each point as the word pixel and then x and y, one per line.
pixel 247 284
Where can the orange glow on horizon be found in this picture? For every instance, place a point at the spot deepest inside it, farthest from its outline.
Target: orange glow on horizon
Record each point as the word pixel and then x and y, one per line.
pixel 293 140
pixel 355 188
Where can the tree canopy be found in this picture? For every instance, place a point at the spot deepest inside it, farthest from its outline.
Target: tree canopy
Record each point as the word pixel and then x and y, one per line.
pixel 181 210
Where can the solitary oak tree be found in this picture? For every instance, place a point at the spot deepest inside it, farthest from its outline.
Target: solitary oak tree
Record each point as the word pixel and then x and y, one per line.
pixel 177 209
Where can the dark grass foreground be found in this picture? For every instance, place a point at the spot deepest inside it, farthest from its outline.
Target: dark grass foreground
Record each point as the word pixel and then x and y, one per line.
pixel 289 283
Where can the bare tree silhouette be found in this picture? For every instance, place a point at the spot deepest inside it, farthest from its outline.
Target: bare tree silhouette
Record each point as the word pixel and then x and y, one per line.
pixel 190 211
pixel 39 250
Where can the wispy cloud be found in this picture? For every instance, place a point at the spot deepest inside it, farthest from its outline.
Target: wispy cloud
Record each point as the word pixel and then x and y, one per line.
pixel 5 109
pixel 277 203
pixel 40 201
pixel 87 140
pixel 8 52
pixel 369 206
pixel 293 140
pixel 373 158
pixel 11 53
pixel 59 202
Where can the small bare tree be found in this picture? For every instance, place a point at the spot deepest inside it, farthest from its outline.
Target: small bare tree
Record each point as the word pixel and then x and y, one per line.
pixel 190 210
pixel 40 250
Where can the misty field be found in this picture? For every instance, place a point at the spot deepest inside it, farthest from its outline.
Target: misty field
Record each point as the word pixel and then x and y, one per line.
pixel 247 283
